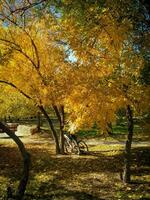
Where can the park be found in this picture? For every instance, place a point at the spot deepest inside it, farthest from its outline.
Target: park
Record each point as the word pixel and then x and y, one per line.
pixel 74 100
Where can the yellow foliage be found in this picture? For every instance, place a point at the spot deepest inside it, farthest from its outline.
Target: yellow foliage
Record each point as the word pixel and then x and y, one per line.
pixel 103 79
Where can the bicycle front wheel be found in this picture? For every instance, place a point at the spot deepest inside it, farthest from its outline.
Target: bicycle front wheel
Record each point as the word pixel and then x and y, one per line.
pixel 67 145
pixel 75 147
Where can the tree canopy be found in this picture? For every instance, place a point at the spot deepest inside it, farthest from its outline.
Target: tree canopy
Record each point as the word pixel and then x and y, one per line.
pixel 105 40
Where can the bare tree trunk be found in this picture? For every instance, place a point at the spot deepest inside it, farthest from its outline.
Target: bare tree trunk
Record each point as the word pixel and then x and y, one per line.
pixel 38 121
pixel 127 162
pixel 110 129
pixel 5 119
pixel 24 180
pixel 62 127
pixel 60 116
pixel 54 134
pixel 26 159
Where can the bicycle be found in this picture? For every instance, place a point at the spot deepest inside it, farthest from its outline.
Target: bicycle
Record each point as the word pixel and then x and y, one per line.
pixel 73 145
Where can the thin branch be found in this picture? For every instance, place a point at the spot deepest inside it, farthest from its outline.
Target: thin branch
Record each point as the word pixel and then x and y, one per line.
pixel 20 50
pixel 31 5
pixel 35 49
pixel 10 42
pixel 14 86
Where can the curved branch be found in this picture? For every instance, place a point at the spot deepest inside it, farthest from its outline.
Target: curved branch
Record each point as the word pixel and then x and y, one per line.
pixel 14 86
pixel 18 48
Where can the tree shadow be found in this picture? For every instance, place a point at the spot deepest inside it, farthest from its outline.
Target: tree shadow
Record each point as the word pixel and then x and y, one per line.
pixel 56 191
pixel 141 156
pixel 10 162
pixel 60 193
pixel 42 159
pixel 67 169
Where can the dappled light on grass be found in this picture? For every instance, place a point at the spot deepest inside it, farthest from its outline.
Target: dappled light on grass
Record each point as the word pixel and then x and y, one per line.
pixel 3 185
pixel 107 149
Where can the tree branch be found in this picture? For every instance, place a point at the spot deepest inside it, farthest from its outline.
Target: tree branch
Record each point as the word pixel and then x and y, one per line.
pixel 31 5
pixel 35 49
pixel 14 86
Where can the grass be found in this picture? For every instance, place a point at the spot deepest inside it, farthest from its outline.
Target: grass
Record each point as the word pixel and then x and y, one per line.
pixel 87 177
pixel 119 133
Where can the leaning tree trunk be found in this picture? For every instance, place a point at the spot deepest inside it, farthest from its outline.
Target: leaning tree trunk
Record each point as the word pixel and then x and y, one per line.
pixel 60 116
pixel 127 162
pixel 26 160
pixel 54 134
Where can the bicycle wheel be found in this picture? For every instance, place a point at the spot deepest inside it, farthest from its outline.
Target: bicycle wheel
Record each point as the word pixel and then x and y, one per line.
pixel 75 147
pixel 82 146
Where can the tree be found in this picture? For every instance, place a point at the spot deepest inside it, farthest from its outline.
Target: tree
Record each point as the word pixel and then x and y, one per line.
pixel 26 163
pixel 38 71
pixel 103 36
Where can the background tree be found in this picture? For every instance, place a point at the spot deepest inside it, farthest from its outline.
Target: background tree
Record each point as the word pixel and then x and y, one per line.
pixel 14 104
pixel 103 36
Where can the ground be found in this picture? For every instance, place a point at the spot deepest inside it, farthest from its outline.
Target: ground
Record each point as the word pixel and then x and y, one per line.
pixel 95 176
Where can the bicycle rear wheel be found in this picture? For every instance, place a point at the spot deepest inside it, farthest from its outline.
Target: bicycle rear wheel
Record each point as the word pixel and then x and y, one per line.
pixel 83 147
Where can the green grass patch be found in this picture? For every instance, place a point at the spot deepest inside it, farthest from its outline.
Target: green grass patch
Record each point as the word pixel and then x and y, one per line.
pixel 88 133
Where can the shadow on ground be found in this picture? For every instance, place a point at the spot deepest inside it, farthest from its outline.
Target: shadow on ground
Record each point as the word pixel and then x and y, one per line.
pixel 94 176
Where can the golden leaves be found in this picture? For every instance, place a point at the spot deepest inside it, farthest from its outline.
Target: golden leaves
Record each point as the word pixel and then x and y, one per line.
pixel 38 62
pixel 93 86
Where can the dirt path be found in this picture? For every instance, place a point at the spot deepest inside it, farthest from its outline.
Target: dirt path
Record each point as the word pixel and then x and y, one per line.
pixel 42 139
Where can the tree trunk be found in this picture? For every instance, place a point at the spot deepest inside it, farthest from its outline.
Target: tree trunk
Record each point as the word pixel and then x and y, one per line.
pixel 38 121
pixel 127 162
pixel 62 128
pixel 110 129
pixel 54 134
pixel 60 116
pixel 5 119
pixel 26 159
